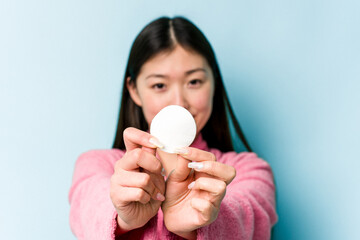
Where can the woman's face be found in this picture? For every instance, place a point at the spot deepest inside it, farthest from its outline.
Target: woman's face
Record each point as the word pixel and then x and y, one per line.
pixel 179 77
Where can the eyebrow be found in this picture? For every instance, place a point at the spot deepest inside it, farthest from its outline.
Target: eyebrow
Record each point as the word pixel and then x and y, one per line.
pixel 187 73
pixel 195 70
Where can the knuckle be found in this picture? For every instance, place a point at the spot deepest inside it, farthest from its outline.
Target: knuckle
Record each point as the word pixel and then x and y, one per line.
pixel 212 167
pixel 221 187
pixel 126 132
pixel 212 157
pixel 118 164
pixel 145 180
pixel 232 173
pixel 207 206
pixel 207 212
pixel 135 154
pixel 112 193
pixel 115 202
pixel 206 217
pixel 114 196
pixel 139 195
pixel 193 154
pixel 199 221
pixel 113 179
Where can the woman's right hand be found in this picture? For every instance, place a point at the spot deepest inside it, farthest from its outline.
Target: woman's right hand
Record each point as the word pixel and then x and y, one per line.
pixel 137 186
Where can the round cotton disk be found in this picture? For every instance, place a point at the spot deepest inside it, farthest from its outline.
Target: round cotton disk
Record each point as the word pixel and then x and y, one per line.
pixel 174 127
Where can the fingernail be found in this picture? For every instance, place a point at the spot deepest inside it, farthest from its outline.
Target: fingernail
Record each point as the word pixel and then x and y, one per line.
pixel 191 185
pixel 160 197
pixel 196 165
pixel 181 151
pixel 156 142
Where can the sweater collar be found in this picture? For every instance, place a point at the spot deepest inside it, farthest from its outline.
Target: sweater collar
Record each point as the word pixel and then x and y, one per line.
pixel 200 143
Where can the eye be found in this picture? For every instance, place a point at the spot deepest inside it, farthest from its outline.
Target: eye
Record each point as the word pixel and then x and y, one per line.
pixel 195 82
pixel 158 86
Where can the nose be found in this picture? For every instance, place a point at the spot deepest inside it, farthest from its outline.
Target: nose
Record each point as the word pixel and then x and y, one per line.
pixel 180 98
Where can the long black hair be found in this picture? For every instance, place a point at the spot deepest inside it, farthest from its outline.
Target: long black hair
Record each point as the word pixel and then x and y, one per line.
pixel 163 35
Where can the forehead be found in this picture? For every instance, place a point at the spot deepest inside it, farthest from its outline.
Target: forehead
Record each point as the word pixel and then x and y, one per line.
pixel 177 61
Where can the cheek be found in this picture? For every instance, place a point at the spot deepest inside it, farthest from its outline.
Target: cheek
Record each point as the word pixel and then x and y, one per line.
pixel 151 107
pixel 204 101
pixel 203 105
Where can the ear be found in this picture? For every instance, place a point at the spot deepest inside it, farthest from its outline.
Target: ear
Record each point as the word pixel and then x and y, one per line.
pixel 134 94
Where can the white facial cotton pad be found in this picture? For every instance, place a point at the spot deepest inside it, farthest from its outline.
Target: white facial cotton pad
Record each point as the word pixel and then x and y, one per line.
pixel 174 127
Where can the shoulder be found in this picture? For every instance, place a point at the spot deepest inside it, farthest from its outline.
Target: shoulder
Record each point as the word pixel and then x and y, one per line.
pixel 230 156
pixel 243 159
pixel 101 156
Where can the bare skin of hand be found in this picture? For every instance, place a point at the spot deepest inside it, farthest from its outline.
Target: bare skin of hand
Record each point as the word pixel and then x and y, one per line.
pixel 137 186
pixel 193 198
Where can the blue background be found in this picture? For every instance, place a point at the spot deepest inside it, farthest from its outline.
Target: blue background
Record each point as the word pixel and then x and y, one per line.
pixel 291 68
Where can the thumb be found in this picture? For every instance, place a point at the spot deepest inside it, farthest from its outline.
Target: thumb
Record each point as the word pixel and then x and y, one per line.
pixel 181 172
pixel 149 150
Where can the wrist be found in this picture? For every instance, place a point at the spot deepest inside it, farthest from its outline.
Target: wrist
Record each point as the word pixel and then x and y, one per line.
pixel 122 227
pixel 187 235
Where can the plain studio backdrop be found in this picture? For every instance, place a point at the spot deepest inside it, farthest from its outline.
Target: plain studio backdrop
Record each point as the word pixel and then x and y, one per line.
pixel 292 72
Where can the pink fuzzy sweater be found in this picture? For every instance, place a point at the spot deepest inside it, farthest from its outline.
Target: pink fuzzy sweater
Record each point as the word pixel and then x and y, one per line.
pixel 246 212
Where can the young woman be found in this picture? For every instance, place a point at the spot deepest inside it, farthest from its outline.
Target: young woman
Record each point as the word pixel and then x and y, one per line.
pixel 123 193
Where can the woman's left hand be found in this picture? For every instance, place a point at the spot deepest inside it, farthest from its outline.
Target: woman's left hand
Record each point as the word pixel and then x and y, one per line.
pixel 193 198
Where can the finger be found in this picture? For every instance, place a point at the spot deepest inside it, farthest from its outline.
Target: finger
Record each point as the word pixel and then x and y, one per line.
pixel 195 154
pixel 216 169
pixel 181 171
pixel 207 211
pixel 152 151
pixel 138 180
pixel 158 181
pixel 139 158
pixel 129 194
pixel 215 187
pixel 134 138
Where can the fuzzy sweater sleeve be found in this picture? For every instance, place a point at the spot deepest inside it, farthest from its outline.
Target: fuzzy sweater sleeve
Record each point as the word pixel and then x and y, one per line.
pixel 92 214
pixel 248 208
